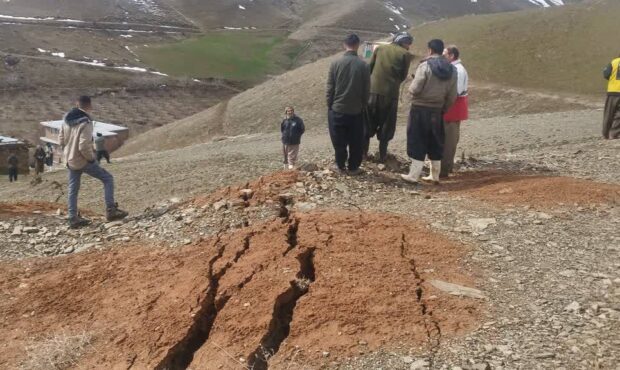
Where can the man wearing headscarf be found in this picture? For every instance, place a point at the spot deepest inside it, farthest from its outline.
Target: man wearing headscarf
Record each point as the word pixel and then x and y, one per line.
pixel 388 67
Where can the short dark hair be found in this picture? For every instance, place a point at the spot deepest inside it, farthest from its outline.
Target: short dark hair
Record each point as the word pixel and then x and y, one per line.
pixel 99 134
pixel 436 46
pixel 352 40
pixel 84 101
pixel 454 51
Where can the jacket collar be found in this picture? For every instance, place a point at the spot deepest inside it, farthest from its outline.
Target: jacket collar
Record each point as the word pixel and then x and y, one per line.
pixel 351 53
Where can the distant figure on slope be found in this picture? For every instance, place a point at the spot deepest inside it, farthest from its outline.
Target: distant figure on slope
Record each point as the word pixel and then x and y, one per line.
pixel 433 91
pixel 348 89
pixel 455 115
pixel 611 122
pixel 76 137
pixel 12 162
pixel 292 128
pixel 389 67
pixel 49 156
pixel 39 160
pixel 100 148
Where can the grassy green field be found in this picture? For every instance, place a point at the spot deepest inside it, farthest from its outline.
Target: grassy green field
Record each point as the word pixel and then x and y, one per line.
pixel 233 55
pixel 561 49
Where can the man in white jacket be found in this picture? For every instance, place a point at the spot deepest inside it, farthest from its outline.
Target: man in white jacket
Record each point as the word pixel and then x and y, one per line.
pixel 458 113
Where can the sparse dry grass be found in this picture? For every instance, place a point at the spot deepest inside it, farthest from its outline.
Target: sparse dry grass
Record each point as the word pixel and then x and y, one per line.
pixel 57 351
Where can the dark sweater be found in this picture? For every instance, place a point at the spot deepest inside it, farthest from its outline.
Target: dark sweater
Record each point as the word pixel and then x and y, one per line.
pixel 292 129
pixel 348 84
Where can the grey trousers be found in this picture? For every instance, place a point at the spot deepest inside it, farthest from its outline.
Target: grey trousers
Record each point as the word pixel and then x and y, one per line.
pixel 453 134
pixel 611 121
pixel 291 152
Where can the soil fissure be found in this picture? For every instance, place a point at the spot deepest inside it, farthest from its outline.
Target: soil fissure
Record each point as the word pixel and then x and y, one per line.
pixel 283 309
pixel 182 354
pixel 431 326
pixel 291 235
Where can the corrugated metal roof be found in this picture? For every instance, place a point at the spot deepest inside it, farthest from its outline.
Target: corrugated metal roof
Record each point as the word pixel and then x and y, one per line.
pixel 8 140
pixel 107 129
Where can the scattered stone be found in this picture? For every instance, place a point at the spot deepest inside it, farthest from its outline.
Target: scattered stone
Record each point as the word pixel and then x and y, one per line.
pixel 407 359
pixel 325 354
pixel 17 230
pixel 457 290
pixel 31 230
pixel 246 193
pixel 68 250
pixel 481 224
pixel 419 365
pixel 381 167
pixel 573 307
pixel 220 204
pixel 544 355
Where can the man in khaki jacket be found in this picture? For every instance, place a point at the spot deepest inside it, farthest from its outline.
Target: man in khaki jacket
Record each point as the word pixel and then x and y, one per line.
pixel 433 91
pixel 76 139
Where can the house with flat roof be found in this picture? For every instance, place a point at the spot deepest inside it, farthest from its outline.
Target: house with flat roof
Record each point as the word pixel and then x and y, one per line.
pixel 10 145
pixel 114 136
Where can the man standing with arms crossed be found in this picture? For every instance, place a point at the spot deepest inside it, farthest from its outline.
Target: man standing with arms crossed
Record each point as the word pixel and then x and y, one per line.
pixel 348 88
pixel 76 139
pixel 433 92
pixel 388 69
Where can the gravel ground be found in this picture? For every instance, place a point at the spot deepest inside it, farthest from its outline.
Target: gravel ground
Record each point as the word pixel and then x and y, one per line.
pixel 550 275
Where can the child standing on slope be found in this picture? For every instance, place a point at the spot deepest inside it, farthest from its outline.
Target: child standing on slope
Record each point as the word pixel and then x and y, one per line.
pixel 292 129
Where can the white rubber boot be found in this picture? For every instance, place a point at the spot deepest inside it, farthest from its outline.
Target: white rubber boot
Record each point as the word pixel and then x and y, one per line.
pixel 434 175
pixel 415 170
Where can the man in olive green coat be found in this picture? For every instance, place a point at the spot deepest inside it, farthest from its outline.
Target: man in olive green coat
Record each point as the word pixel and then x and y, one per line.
pixel 388 67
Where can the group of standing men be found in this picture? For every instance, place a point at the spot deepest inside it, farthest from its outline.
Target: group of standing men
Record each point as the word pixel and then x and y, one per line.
pixel 362 101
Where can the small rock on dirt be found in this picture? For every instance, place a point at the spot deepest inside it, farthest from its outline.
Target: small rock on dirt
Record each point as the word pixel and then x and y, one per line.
pixel 419 365
pixel 457 290
pixel 480 224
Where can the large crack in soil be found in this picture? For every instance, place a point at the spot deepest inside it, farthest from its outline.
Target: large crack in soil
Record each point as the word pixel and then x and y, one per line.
pixel 182 354
pixel 283 309
pixel 431 326
pixel 291 235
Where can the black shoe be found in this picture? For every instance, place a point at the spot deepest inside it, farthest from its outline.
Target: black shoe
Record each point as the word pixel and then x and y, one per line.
pixel 115 214
pixel 78 222
pixel 355 172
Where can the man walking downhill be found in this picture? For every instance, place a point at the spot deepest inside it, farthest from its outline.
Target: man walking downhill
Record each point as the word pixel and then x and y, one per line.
pixel 456 114
pixel 348 88
pixel 12 162
pixel 389 67
pixel 76 139
pixel 39 160
pixel 433 92
pixel 611 122
pixel 100 148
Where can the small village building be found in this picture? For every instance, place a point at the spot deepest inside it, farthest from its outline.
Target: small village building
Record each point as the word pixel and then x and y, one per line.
pixel 10 145
pixel 114 136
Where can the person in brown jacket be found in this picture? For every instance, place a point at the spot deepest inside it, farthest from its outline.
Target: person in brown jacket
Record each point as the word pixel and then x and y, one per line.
pixel 433 91
pixel 76 139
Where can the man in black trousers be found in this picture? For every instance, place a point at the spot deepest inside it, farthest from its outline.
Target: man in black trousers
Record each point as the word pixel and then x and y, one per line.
pixel 348 89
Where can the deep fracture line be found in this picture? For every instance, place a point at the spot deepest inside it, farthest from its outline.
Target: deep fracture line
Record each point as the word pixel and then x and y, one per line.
pixel 181 355
pixel 282 316
pixel 291 235
pixel 431 326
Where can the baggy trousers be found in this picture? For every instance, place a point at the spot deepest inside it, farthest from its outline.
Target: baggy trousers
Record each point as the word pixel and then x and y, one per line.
pixel 611 121
pixel 92 169
pixel 425 133
pixel 12 174
pixel 347 134
pixel 382 114
pixel 453 134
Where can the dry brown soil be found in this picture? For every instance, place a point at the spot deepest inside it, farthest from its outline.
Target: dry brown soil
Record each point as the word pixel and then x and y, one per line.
pixel 536 191
pixel 277 294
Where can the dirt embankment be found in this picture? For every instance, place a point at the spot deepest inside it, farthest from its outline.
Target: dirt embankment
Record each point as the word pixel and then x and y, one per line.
pixel 306 289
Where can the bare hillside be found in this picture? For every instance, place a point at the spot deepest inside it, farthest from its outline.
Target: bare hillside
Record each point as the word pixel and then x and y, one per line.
pixel 259 109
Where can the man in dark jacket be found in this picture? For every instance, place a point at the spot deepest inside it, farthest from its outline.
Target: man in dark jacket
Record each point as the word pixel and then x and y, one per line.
pixel 39 160
pixel 12 162
pixel 388 69
pixel 433 91
pixel 348 88
pixel 611 122
pixel 292 129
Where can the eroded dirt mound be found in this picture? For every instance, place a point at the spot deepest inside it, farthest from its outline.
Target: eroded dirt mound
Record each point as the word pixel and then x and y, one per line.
pixel 307 289
pixel 19 208
pixel 532 190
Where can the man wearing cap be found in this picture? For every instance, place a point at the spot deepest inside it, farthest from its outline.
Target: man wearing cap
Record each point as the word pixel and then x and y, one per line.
pixel 389 66
pixel 348 88
pixel 611 122
pixel 433 91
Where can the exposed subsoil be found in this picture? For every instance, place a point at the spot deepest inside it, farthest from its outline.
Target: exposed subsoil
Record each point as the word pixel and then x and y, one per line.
pixel 537 191
pixel 308 288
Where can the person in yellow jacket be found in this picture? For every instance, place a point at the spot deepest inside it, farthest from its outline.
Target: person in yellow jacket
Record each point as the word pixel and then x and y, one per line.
pixel 611 122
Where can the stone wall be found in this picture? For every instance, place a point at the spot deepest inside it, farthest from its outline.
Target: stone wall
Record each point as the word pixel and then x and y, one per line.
pixel 21 150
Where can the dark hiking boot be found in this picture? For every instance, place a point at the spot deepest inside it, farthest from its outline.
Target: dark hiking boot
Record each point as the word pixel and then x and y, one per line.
pixel 78 222
pixel 115 214
pixel 355 172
